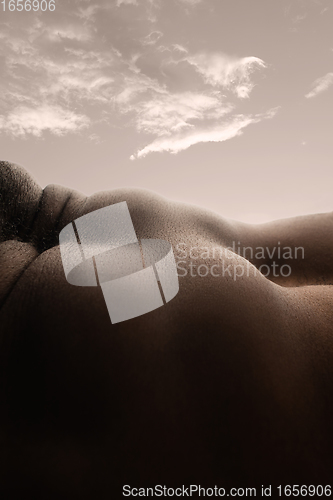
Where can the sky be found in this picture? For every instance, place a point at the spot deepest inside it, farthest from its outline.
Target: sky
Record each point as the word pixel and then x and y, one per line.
pixel 225 104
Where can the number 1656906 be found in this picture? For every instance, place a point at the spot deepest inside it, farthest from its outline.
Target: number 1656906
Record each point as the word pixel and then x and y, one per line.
pixel 27 5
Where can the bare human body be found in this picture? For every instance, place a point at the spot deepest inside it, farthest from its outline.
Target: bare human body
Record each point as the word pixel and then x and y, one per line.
pixel 229 384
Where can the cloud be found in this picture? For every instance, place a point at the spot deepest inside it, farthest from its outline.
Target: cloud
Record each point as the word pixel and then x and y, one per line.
pixel 152 38
pixel 227 72
pixel 24 120
pixel 127 2
pixel 320 85
pixel 87 13
pixel 214 133
pixel 180 119
pixel 81 75
pixel 296 11
pixel 101 63
pixel 71 32
pixel 191 2
pixel 179 48
pixel 170 113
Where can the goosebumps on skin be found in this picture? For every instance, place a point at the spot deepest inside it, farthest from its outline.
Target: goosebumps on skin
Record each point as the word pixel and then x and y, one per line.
pixel 228 384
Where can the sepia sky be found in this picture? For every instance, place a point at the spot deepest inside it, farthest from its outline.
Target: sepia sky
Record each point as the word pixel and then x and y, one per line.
pixel 226 104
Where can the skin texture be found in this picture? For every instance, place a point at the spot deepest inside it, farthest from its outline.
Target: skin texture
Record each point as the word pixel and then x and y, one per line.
pixel 228 384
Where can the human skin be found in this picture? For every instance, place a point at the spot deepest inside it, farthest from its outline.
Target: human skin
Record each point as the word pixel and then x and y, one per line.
pixel 228 384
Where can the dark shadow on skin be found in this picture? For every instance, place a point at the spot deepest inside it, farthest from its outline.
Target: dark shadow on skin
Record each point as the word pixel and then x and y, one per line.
pixel 228 384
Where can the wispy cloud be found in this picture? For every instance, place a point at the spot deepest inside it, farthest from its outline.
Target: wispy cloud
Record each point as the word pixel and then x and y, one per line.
pixel 24 120
pixel 166 114
pixel 106 62
pixel 152 38
pixel 211 133
pixel 320 85
pixel 191 2
pixel 127 2
pixel 227 72
pixel 69 32
pixel 180 120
